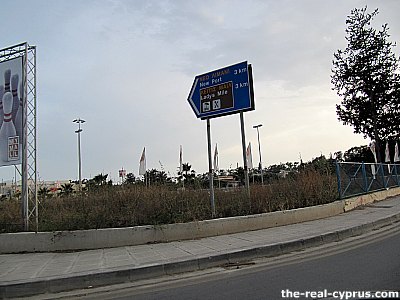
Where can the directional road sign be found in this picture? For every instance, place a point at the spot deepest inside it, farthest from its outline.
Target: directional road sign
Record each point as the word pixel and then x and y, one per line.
pixel 221 92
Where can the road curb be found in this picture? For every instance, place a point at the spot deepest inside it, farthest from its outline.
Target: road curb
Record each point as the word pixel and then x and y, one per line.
pixel 130 274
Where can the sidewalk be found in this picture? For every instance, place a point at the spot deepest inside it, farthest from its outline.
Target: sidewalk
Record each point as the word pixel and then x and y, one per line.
pixel 37 273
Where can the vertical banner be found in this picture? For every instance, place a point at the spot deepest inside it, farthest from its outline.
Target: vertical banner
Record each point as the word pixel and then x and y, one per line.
pixel 216 161
pixel 142 163
pixel 387 153
pixel 387 156
pixel 396 153
pixel 11 111
pixel 249 157
pixel 373 150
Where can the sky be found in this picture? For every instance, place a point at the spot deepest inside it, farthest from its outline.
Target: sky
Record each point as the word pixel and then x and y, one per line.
pixel 127 67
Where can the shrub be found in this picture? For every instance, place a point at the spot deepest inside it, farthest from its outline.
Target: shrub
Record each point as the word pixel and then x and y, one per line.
pixel 132 205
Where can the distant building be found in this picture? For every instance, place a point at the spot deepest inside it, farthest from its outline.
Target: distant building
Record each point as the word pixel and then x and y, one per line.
pixel 228 181
pixel 9 188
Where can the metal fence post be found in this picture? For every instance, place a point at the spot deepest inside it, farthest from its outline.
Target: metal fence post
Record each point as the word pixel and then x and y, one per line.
pixel 364 174
pixel 383 176
pixel 338 179
pixel 397 175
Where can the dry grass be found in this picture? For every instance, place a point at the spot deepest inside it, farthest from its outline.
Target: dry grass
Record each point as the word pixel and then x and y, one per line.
pixel 134 205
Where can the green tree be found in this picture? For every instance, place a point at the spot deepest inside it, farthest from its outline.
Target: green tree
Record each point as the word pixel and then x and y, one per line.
pixel 98 180
pixel 365 75
pixel 66 189
pixel 156 177
pixel 130 178
pixel 238 173
pixel 339 156
pixel 43 193
pixel 322 165
pixel 359 154
pixel 188 177
pixel 186 168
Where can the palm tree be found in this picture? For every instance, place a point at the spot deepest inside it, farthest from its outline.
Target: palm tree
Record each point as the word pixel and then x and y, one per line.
pixel 130 178
pixel 43 193
pixel 100 179
pixel 67 189
pixel 188 178
pixel 186 168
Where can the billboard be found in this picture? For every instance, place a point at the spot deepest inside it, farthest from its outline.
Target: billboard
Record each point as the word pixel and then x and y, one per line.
pixel 11 111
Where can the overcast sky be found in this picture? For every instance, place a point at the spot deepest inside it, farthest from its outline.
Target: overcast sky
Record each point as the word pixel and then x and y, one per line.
pixel 127 67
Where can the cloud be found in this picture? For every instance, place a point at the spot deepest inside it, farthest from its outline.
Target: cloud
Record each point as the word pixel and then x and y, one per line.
pixel 127 68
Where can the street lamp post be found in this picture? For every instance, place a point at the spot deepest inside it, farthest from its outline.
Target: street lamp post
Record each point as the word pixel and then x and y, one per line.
pixel 259 151
pixel 79 121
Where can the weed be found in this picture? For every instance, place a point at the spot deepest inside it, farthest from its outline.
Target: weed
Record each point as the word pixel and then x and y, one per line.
pixel 133 205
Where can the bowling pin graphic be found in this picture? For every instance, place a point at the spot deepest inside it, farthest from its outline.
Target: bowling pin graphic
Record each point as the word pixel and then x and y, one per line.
pixel 18 118
pixel 14 90
pixel 7 128
pixel 7 76
pixel 1 104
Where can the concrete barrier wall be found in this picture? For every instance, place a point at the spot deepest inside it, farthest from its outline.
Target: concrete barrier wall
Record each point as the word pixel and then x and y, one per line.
pixel 356 201
pixel 129 236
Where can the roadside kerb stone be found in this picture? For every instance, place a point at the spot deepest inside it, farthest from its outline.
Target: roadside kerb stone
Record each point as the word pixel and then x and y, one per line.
pixel 270 250
pixel 207 262
pixel 383 222
pixel 330 237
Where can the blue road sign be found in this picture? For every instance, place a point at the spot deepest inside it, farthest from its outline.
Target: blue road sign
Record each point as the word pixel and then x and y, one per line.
pixel 221 92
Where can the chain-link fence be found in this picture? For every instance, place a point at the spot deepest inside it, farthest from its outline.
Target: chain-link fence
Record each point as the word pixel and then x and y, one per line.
pixel 361 178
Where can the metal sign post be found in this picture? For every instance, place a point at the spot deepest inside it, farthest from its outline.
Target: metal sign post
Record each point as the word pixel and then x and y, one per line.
pixel 245 167
pixel 210 169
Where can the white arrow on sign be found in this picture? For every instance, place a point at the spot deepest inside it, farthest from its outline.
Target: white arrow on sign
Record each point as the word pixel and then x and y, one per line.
pixel 191 97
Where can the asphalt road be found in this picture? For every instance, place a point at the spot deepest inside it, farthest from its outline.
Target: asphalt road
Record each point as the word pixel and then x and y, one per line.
pixel 372 266
pixel 368 263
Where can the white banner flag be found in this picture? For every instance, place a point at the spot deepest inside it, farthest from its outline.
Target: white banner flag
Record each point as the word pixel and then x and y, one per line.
pixel 387 154
pixel 216 162
pixel 373 150
pixel 396 153
pixel 142 165
pixel 249 157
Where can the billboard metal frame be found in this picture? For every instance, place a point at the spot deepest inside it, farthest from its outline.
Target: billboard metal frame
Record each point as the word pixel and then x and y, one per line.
pixel 29 199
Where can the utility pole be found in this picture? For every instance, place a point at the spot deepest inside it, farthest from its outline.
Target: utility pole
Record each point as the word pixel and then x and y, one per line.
pixel 259 151
pixel 79 121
